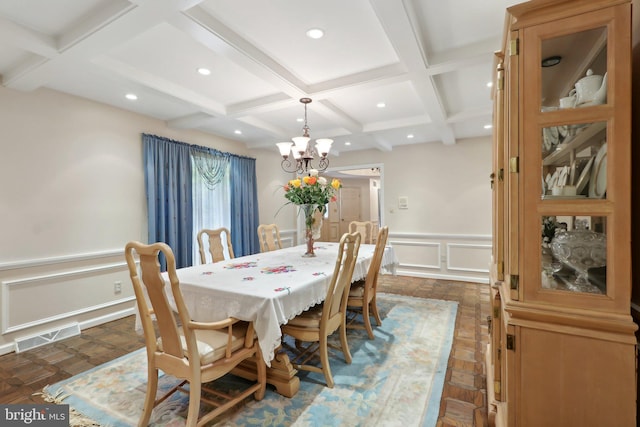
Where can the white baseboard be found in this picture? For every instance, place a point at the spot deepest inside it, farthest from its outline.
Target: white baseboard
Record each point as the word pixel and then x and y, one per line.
pixel 457 278
pixel 10 347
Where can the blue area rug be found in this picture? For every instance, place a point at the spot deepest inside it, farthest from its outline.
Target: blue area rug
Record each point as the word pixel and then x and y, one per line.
pixel 394 380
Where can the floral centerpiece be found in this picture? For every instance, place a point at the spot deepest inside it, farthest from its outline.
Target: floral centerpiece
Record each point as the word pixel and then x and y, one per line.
pixel 311 193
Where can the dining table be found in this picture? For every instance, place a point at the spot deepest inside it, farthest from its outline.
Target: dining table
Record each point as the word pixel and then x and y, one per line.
pixel 268 289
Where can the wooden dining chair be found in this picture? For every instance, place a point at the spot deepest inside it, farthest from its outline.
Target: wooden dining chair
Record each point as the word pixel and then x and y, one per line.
pixel 363 227
pixel 269 237
pixel 215 244
pixel 196 352
pixel 362 295
pixel 315 325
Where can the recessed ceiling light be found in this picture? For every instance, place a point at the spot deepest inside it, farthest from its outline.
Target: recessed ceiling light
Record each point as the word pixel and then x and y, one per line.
pixel 131 96
pixel 488 126
pixel 204 71
pixel 315 33
pixel 489 84
pixel 381 105
pixel 551 61
pixel 410 136
pixel 299 120
pixel 347 143
pixel 237 132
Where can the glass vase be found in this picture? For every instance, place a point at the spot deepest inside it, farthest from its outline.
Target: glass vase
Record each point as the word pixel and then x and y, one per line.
pixel 312 227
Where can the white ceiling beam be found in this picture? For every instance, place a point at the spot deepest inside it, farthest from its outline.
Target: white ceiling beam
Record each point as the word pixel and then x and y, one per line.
pixel 381 145
pixel 221 39
pixel 458 64
pixel 261 105
pixel 369 79
pixel 99 37
pixel 398 21
pixel 275 131
pixel 392 124
pixel 93 22
pixel 477 113
pixel 337 116
pixel 482 51
pixel 27 39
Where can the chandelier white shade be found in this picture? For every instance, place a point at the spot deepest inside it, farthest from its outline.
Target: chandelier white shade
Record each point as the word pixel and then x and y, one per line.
pixel 303 153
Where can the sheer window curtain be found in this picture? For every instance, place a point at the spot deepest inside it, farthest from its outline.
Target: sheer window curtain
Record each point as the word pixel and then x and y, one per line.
pixel 211 193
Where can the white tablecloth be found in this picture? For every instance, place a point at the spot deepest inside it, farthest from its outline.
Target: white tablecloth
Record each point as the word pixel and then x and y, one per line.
pixel 268 288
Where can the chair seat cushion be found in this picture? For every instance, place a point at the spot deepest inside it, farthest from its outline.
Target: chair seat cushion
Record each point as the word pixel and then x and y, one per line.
pixel 308 319
pixel 357 289
pixel 212 344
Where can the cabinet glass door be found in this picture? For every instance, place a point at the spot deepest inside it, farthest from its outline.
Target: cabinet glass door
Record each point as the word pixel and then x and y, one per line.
pixel 574 253
pixel 574 161
pixel 569 135
pixel 574 69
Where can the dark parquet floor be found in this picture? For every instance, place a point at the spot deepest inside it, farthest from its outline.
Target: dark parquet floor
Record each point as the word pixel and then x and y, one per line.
pixel 464 397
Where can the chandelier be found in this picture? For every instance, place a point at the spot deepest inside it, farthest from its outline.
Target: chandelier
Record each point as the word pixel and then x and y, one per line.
pixel 303 152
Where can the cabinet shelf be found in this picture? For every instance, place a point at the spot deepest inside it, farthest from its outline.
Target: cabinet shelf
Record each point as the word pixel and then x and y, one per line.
pixel 591 135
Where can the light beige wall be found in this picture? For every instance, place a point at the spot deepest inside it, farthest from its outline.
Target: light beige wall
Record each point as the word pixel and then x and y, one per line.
pixel 71 195
pixel 447 186
pixel 446 232
pixel 71 176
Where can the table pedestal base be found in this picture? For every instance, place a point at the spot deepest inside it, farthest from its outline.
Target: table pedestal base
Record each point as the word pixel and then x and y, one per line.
pixel 281 374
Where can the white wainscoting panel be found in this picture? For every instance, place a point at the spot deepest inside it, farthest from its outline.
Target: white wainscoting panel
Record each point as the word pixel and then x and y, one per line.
pixel 42 294
pixel 443 256
pixel 468 257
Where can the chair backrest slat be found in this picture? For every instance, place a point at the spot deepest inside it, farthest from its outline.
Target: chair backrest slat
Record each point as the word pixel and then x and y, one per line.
pixel 269 237
pixel 215 244
pixel 155 289
pixel 365 228
pixel 374 268
pixel 338 291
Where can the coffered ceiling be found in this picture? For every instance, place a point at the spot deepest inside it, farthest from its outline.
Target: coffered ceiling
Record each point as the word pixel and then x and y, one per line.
pixel 428 61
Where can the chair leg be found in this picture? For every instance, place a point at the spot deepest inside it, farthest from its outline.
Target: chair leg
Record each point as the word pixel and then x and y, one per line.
pixel 324 359
pixel 150 398
pixel 195 390
pixel 374 310
pixel 343 342
pixel 367 320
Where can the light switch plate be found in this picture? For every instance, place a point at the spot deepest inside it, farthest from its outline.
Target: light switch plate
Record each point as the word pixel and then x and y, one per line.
pixel 403 202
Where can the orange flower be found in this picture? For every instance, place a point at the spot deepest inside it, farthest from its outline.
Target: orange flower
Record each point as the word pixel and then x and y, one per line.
pixel 311 190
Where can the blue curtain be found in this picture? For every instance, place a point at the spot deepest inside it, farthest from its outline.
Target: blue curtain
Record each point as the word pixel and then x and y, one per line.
pixel 244 206
pixel 167 176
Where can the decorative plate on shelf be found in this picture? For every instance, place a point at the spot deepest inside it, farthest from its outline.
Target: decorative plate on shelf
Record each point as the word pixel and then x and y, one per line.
pixel 584 176
pixel 572 173
pixel 552 180
pixel 564 174
pixel 598 181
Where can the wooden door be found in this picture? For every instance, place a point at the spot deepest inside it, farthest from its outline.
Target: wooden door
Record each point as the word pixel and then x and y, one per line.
pixel 349 207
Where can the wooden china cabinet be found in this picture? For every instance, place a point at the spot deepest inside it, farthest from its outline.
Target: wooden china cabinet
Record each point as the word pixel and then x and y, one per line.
pixel 562 349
